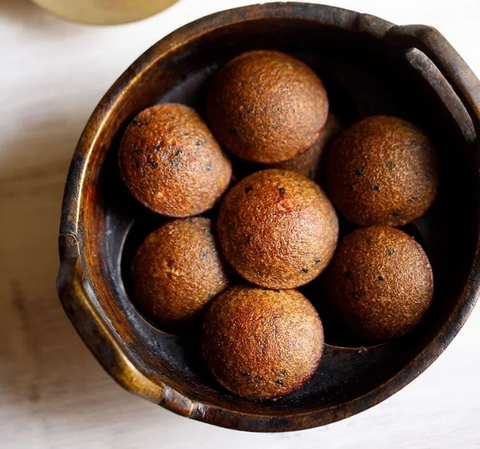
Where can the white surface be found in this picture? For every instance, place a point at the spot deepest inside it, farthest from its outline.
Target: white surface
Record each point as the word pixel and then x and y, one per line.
pixel 53 394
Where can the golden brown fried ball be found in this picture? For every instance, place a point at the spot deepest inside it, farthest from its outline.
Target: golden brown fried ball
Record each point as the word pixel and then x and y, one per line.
pixel 382 171
pixel 262 344
pixel 176 271
pixel 379 283
pixel 171 162
pixel 277 229
pixel 266 106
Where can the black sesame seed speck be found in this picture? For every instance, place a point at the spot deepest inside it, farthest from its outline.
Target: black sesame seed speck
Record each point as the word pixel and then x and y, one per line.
pixel 391 165
pixel 360 171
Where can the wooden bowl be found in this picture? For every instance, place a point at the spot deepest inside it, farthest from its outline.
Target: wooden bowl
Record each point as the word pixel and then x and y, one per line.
pixel 369 67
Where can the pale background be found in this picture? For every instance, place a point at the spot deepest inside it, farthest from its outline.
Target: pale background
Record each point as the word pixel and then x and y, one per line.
pixel 53 394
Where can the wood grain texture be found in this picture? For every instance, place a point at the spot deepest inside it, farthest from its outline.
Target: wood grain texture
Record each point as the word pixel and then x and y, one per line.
pixel 53 394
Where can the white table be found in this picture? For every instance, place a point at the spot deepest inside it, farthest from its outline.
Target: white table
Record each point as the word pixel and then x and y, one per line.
pixel 53 394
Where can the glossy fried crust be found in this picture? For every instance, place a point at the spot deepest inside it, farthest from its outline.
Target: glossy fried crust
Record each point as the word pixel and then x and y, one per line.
pixel 267 107
pixel 382 171
pixel 176 272
pixel 379 283
pixel 262 343
pixel 277 229
pixel 171 162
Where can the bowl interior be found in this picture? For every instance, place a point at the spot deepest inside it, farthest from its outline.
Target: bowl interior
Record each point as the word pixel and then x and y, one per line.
pixel 364 76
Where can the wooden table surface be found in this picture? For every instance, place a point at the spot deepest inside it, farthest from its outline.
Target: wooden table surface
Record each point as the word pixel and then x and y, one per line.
pixel 53 394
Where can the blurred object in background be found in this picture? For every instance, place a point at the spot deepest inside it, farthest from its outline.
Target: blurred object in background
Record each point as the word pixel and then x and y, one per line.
pixel 104 12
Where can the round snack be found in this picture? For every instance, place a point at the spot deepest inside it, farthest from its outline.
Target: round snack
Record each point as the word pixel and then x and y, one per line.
pixel 277 229
pixel 171 162
pixel 176 272
pixel 308 163
pixel 262 344
pixel 382 171
pixel 267 107
pixel 379 283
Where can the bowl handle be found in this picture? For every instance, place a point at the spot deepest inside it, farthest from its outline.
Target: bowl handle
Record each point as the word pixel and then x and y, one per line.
pixel 452 66
pixel 78 300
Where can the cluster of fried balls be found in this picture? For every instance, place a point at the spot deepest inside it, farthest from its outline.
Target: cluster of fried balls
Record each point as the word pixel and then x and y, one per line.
pixel 276 228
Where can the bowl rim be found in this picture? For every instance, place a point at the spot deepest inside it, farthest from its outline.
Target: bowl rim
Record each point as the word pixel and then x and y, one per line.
pixel 73 288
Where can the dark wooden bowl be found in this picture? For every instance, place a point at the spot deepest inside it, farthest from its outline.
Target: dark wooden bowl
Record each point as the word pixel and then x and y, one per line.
pixel 369 67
